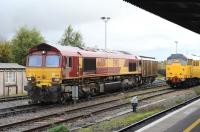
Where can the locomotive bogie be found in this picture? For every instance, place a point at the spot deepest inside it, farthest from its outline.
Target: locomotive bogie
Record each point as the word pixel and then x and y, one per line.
pixel 39 95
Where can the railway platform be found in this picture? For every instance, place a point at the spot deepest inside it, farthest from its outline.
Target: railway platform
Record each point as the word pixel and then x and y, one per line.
pixel 186 119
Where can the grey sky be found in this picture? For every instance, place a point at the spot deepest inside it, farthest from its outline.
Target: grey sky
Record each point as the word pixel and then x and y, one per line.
pixel 130 28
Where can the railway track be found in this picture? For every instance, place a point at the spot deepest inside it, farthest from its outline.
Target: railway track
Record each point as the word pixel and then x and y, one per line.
pixel 69 115
pixel 21 109
pixel 12 98
pixel 148 120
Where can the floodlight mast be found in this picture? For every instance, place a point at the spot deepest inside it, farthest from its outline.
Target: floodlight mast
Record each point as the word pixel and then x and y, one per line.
pixel 176 42
pixel 105 19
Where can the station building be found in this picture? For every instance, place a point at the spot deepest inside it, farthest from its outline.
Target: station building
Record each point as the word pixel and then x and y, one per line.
pixel 12 79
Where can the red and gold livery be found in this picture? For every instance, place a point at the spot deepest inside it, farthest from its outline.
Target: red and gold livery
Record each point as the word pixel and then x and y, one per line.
pixel 53 70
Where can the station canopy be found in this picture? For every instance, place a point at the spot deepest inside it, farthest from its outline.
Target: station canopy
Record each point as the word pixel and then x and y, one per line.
pixel 185 13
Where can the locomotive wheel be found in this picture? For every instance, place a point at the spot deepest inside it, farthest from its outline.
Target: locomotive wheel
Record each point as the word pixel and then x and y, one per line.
pixel 62 99
pixel 172 86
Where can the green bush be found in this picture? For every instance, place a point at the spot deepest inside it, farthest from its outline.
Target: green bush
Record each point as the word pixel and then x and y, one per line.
pixel 59 128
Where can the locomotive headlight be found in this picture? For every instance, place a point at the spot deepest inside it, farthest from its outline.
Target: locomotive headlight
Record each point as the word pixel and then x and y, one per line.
pixel 182 79
pixel 43 52
pixel 55 79
pixel 30 78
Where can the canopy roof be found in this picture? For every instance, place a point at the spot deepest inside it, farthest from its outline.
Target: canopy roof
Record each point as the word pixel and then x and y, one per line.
pixel 185 13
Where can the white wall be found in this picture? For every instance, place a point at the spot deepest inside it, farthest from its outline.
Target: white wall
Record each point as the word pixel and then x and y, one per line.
pixel 20 82
pixel 1 83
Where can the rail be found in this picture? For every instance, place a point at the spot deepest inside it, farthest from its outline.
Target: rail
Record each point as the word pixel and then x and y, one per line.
pixel 12 98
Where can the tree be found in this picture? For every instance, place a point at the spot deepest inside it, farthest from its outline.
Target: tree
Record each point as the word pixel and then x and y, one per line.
pixel 5 52
pixel 71 37
pixel 23 40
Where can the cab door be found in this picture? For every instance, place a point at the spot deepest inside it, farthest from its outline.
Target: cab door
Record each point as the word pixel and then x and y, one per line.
pixel 67 66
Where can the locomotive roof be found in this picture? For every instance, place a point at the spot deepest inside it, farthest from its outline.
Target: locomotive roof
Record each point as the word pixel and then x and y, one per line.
pixel 181 56
pixel 147 58
pixel 193 57
pixel 76 51
pixel 177 56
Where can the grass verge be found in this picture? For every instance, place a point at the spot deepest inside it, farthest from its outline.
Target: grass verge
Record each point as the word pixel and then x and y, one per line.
pixel 119 122
pixel 197 90
pixel 179 101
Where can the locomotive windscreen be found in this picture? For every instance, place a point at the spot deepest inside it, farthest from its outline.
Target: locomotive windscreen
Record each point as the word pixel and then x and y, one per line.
pixel 177 56
pixel 89 64
pixel 180 58
pixel 35 61
pixel 52 61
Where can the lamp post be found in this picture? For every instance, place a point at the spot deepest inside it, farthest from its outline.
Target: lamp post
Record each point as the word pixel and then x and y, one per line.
pixel 105 19
pixel 176 42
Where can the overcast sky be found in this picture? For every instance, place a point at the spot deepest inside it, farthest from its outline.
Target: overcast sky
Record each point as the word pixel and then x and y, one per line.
pixel 130 28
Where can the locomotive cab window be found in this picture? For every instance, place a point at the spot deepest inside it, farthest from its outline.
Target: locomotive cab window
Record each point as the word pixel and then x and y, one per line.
pixel 189 62
pixel 140 63
pixel 52 61
pixel 195 63
pixel 169 61
pixel 177 58
pixel 68 62
pixel 35 61
pixel 132 66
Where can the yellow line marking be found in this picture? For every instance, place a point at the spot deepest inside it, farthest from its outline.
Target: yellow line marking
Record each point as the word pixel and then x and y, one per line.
pixel 193 125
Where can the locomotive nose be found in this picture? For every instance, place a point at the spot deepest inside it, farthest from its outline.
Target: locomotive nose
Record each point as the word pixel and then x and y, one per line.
pixel 174 71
